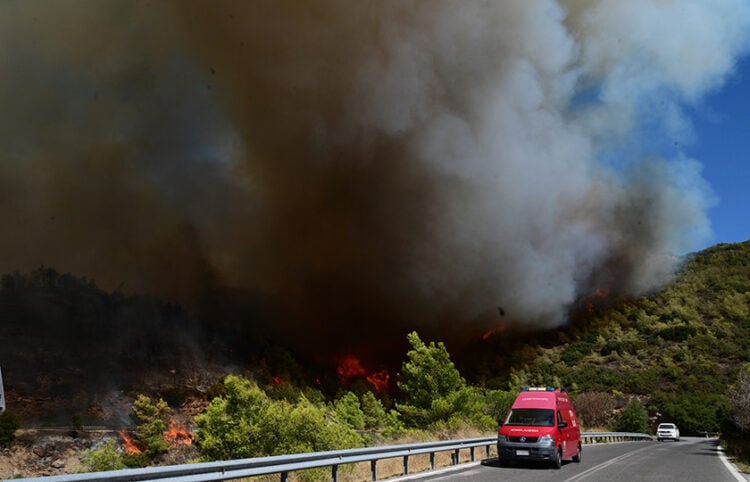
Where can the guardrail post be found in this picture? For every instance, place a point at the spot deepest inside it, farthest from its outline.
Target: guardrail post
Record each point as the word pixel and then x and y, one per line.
pixel 285 477
pixel 487 447
pixel 471 451
pixel 335 473
pixel 373 469
pixel 455 457
pixel 406 465
pixel 432 460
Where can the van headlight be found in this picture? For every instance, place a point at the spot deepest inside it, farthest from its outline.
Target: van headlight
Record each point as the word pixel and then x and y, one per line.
pixel 546 440
pixel 502 438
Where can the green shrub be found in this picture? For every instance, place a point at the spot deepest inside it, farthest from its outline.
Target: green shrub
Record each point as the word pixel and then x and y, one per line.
pixel 348 410
pixel 623 347
pixel 426 380
pixel 428 374
pixel 633 418
pixel 8 425
pixel 677 332
pixel 245 422
pixel 498 403
pixel 230 425
pixel 740 398
pixel 574 352
pixel 77 421
pixel 374 413
pixel 104 458
pixel 151 422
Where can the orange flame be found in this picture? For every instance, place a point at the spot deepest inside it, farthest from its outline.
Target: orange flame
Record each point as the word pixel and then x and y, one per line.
pixel 177 435
pixel 497 329
pixel 595 299
pixel 128 443
pixel 379 380
pixel 350 367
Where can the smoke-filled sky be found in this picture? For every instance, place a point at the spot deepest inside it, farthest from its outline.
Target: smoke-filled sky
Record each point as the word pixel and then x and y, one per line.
pixel 372 167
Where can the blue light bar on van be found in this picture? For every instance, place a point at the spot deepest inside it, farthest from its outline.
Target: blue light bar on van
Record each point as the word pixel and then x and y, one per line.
pixel 541 389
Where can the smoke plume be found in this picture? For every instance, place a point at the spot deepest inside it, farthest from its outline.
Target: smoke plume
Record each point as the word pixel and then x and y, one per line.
pixel 371 167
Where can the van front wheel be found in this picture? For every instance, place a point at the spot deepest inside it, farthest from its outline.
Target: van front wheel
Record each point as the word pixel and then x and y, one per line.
pixel 557 459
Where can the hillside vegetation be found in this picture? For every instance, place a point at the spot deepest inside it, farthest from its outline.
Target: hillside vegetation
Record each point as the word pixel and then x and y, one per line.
pixel 680 351
pixel 681 355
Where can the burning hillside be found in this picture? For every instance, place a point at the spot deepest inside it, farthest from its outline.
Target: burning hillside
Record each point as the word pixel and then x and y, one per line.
pixel 350 368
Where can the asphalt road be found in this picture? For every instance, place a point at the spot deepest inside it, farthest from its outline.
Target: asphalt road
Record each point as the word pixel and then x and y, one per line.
pixel 690 459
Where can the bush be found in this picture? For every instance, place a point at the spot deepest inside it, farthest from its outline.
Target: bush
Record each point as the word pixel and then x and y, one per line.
pixel 8 425
pixel 622 347
pixel 104 458
pixel 574 352
pixel 151 422
pixel 230 425
pixel 740 397
pixel 348 410
pixel 77 421
pixel 677 332
pixel 499 403
pixel 373 411
pixel 304 427
pixel 595 409
pixel 633 418
pixel 245 422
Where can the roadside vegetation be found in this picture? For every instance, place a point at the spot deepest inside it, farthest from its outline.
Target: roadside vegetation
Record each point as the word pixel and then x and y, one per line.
pixel 245 420
pixel 681 355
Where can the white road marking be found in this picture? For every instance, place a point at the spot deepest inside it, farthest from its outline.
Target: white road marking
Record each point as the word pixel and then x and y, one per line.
pixel 606 464
pixel 730 466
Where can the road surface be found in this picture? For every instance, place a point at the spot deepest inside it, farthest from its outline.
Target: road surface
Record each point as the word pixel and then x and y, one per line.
pixel 690 459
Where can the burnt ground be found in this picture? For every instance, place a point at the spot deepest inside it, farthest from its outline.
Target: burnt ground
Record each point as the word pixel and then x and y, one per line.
pixel 45 452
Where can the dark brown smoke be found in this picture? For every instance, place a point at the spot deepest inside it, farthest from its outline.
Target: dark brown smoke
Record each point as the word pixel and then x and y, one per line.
pixel 368 168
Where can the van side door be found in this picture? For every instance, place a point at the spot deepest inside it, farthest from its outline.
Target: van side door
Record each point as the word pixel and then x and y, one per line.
pixel 564 433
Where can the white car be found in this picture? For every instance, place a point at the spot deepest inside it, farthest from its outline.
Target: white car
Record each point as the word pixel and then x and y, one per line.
pixel 667 431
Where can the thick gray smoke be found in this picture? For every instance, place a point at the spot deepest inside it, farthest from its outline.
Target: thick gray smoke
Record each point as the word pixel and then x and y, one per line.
pixel 372 166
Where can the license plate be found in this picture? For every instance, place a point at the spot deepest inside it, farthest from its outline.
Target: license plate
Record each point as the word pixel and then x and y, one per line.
pixel 522 452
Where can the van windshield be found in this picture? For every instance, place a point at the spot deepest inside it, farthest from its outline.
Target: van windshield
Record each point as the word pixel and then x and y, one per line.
pixel 531 417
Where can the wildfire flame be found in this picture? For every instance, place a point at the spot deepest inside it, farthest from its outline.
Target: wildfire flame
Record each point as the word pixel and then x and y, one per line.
pixel 177 435
pixel 128 443
pixel 492 331
pixel 595 299
pixel 350 367
pixel 379 380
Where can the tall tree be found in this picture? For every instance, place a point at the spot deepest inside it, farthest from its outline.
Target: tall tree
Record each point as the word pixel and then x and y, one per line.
pixel 427 378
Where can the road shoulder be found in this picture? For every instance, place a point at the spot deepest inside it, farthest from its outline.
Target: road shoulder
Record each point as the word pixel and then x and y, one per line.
pixel 741 477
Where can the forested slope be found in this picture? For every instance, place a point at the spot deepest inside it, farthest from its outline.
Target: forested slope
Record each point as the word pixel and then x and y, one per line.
pixel 680 350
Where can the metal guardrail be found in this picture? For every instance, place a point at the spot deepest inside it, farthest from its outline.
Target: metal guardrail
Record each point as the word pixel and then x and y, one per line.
pixel 606 437
pixel 284 464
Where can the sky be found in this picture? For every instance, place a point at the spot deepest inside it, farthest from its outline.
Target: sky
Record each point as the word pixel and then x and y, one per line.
pixel 722 144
